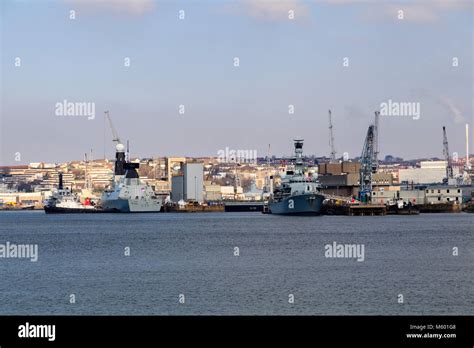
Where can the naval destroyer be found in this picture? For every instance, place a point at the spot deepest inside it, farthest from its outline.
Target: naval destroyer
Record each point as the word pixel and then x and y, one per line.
pixel 298 193
pixel 128 194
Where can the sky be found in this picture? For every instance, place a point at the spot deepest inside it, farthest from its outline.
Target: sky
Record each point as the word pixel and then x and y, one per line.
pixel 349 56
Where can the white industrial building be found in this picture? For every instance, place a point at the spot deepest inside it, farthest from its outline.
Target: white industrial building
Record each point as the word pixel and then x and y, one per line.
pixel 443 194
pixel 189 186
pixel 193 182
pixel 394 193
pixel 177 188
pixel 429 172
pixel 427 195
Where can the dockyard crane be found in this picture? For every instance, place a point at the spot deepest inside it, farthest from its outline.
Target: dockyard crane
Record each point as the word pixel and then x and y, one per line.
pixel 115 137
pixel 367 166
pixel 447 158
pixel 376 138
pixel 332 159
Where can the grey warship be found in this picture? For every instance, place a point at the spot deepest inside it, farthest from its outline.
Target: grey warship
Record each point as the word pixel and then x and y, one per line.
pixel 128 194
pixel 298 193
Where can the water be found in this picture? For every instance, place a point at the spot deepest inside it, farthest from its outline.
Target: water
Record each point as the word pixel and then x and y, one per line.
pixel 193 254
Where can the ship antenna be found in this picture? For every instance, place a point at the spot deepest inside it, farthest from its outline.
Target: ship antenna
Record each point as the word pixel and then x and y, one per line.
pixel 332 158
pixel 104 135
pixel 85 173
pixel 128 152
pixel 269 154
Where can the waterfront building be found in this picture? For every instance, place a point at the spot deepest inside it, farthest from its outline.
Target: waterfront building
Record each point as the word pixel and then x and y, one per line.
pixel 177 188
pixel 421 195
pixel 212 192
pixel 429 172
pixel 193 181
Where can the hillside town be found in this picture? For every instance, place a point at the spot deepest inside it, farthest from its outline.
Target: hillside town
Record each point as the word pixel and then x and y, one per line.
pixel 216 180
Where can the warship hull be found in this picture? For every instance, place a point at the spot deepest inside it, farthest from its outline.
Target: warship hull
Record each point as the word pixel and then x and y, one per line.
pixel 60 210
pixel 305 204
pixel 131 206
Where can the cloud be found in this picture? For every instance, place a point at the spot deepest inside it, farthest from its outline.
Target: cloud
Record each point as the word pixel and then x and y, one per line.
pixel 446 4
pixel 417 11
pixel 345 2
pixel 355 112
pixel 422 12
pixel 445 102
pixel 412 13
pixel 271 10
pixel 448 104
pixel 126 7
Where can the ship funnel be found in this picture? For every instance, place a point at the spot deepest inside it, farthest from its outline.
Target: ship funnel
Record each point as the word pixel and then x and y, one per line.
pixel 119 159
pixel 271 185
pixel 60 184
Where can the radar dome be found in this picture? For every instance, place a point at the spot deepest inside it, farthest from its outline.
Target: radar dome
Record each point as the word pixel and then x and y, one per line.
pixel 120 148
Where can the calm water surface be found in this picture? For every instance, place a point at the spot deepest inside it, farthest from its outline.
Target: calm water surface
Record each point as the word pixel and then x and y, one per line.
pixel 193 254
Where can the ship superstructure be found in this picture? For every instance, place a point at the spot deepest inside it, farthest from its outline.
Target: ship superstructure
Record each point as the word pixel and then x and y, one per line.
pixel 128 194
pixel 298 193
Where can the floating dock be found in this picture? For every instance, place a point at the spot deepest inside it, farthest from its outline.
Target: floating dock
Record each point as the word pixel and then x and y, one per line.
pixel 367 209
pixel 244 206
pixel 339 207
pixel 194 209
pixel 440 208
pixel 469 207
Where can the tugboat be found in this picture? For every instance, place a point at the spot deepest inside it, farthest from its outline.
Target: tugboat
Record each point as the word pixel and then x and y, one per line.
pixel 64 201
pixel 298 193
pixel 400 207
pixel 128 194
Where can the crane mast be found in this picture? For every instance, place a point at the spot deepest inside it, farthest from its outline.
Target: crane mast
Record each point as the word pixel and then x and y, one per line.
pixel 115 136
pixel 376 138
pixel 331 140
pixel 368 166
pixel 447 158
